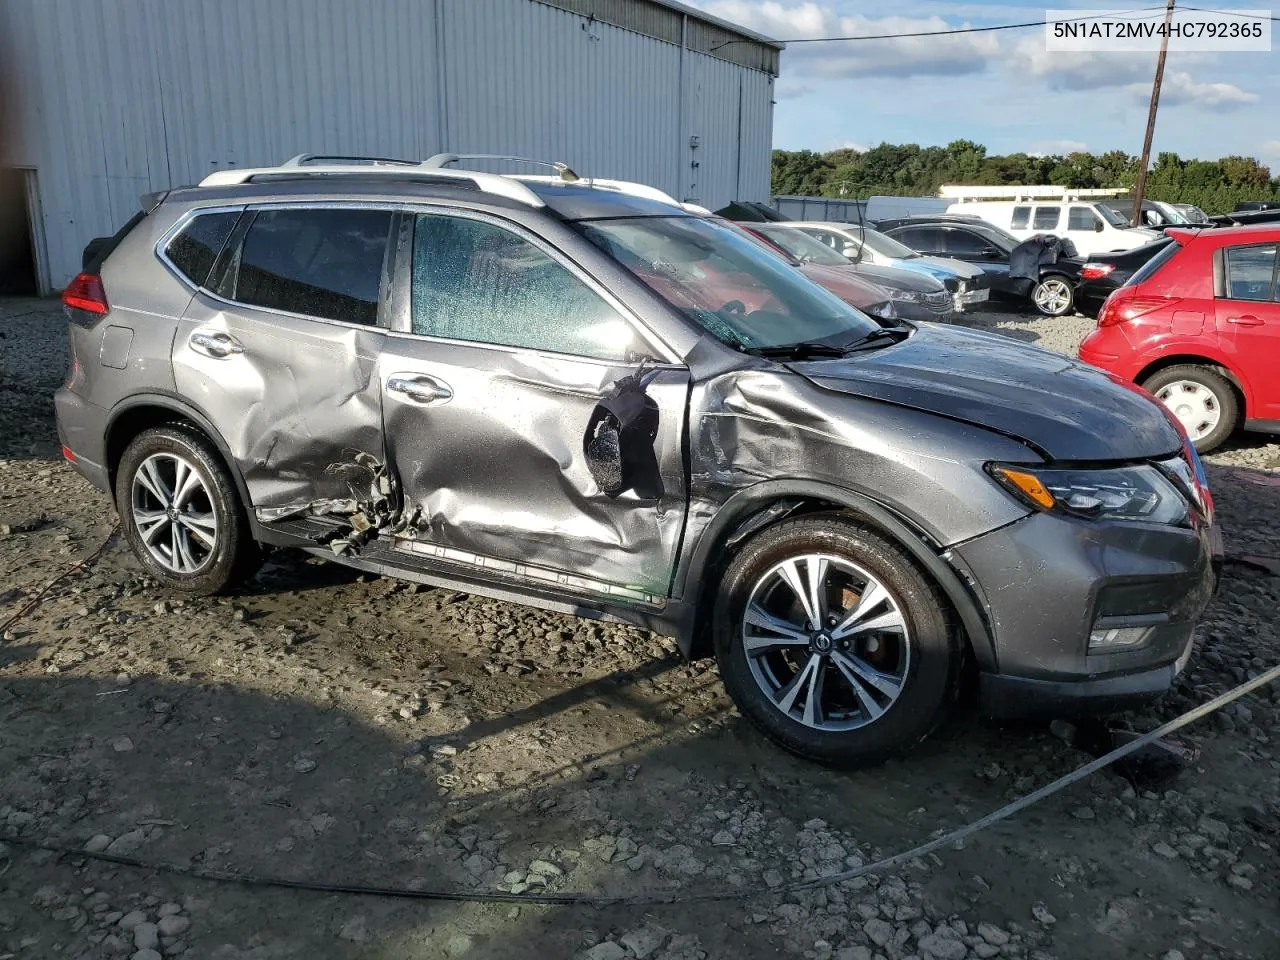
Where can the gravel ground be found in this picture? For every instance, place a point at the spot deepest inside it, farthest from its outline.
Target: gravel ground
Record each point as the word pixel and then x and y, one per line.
pixel 334 727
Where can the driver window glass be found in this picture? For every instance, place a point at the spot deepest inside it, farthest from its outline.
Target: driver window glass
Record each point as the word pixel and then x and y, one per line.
pixel 1046 218
pixel 1021 217
pixel 1082 218
pixel 1251 273
pixel 479 282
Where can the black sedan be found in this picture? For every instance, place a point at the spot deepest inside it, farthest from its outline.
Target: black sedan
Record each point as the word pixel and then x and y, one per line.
pixel 990 248
pixel 1106 272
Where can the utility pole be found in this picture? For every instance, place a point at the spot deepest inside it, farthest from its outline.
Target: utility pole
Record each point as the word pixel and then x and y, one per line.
pixel 1140 188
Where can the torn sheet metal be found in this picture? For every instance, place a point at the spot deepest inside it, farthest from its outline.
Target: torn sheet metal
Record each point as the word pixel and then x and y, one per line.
pixel 499 471
pixel 300 407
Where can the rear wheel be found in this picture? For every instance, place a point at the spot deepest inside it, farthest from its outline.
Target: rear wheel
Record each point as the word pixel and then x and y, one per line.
pixel 180 513
pixel 833 643
pixel 1202 399
pixel 1052 296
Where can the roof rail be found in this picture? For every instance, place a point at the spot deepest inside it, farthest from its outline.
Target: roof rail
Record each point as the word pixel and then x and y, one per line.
pixel 1041 192
pixel 305 158
pixel 441 160
pixel 511 186
pixel 621 186
pixel 492 183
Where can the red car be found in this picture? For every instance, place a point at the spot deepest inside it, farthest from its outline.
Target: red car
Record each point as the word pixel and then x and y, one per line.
pixel 1199 327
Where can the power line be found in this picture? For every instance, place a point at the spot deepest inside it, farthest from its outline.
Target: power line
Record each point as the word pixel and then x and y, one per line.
pixel 1141 13
pixel 944 33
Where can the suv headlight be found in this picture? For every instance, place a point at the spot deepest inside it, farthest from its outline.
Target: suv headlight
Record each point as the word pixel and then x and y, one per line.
pixel 884 310
pixel 907 296
pixel 1116 493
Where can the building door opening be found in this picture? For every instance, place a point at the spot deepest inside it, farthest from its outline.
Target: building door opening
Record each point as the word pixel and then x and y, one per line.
pixel 17 252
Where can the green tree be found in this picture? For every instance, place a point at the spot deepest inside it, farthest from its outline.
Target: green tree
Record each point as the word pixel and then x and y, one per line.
pixel 912 170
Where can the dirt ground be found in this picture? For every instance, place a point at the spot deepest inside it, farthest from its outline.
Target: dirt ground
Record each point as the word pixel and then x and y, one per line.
pixel 333 727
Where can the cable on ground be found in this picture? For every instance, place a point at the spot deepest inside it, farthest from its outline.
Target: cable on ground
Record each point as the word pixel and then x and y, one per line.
pixel 80 565
pixel 673 896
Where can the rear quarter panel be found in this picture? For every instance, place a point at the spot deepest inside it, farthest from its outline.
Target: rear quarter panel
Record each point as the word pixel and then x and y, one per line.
pixel 128 350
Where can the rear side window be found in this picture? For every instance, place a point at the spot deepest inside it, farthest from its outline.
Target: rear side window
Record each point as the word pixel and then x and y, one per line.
pixel 1082 218
pixel 1021 217
pixel 325 263
pixel 1046 218
pixel 479 282
pixel 197 246
pixel 1251 273
pixel 1152 266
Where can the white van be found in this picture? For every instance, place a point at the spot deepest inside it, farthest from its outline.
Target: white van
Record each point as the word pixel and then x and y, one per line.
pixel 1073 214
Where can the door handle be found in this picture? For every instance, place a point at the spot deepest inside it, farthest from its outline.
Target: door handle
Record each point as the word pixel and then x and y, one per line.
pixel 419 388
pixel 1246 320
pixel 216 345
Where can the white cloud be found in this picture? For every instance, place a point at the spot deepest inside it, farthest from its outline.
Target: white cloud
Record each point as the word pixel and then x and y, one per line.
pixel 1081 71
pixel 1270 150
pixel 903 57
pixel 1057 148
pixel 1072 70
pixel 1181 88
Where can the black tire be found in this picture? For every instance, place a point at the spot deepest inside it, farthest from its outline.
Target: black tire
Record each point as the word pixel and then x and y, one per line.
pixel 235 555
pixel 932 674
pixel 1049 284
pixel 1224 396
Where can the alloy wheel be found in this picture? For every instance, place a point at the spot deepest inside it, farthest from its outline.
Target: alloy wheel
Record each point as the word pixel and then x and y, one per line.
pixel 174 513
pixel 1053 296
pixel 827 642
pixel 1195 406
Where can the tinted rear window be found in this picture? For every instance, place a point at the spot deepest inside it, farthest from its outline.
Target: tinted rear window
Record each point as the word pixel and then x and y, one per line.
pixel 194 250
pixel 1152 266
pixel 317 262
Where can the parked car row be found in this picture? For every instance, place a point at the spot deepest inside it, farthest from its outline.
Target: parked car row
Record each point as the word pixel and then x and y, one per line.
pixel 583 395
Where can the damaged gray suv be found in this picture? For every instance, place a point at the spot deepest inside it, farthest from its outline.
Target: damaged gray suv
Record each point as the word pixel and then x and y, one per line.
pixel 583 395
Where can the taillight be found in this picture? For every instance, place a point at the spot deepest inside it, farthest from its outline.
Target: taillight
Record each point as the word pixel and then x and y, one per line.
pixel 1096 271
pixel 86 293
pixel 1123 309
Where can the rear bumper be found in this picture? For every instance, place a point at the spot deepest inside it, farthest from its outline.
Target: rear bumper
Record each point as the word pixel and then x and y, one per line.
pixel 1048 582
pixel 81 428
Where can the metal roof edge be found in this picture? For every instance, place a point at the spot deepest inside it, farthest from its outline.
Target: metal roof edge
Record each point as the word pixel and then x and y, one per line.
pixel 722 23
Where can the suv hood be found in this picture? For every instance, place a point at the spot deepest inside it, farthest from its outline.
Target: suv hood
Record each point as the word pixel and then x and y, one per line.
pixel 1065 408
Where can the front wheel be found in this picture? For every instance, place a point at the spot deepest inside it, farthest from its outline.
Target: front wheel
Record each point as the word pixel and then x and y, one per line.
pixel 1052 296
pixel 1201 398
pixel 833 643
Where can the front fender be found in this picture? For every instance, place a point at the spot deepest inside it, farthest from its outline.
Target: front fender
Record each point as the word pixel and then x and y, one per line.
pixel 750 510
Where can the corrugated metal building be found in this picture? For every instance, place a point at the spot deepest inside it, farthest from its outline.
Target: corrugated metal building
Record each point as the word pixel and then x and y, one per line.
pixel 110 99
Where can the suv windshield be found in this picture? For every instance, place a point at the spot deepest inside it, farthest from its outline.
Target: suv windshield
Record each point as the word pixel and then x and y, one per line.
pixel 1113 217
pixel 731 286
pixel 800 245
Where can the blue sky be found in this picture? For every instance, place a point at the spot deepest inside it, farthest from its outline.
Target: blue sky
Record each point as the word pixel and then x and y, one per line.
pixel 1001 89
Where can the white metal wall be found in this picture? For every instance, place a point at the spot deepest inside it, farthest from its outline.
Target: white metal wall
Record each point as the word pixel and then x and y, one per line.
pixel 115 98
